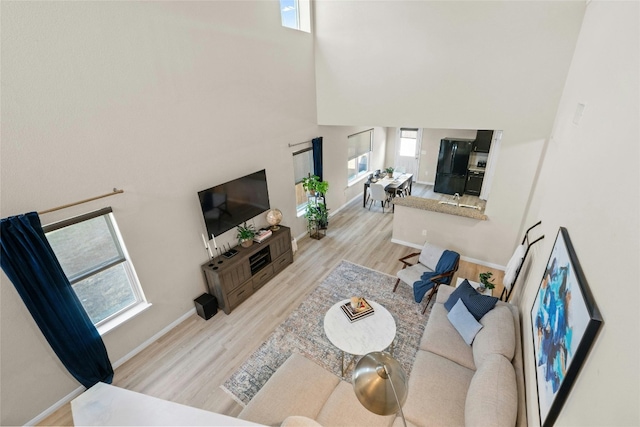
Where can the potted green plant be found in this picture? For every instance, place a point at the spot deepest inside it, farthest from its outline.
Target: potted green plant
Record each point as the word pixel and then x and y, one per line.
pixel 316 213
pixel 314 186
pixel 317 216
pixel 245 235
pixel 486 283
pixel 389 171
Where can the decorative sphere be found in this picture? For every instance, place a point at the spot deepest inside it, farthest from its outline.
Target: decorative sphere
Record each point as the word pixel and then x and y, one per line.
pixel 274 216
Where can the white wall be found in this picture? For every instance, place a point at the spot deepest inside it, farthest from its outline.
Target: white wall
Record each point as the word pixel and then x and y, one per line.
pixel 589 184
pixel 335 171
pixel 161 99
pixel 456 65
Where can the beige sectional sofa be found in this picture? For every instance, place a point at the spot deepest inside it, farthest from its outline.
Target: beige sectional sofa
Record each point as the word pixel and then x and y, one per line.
pixel 451 383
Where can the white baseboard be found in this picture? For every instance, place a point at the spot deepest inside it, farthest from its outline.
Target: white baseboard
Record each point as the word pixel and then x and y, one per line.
pixel 473 260
pixel 485 263
pixel 77 392
pixel 403 243
pixel 53 408
pixel 332 212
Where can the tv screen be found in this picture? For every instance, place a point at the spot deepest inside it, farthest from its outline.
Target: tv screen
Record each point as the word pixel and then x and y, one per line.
pixel 228 205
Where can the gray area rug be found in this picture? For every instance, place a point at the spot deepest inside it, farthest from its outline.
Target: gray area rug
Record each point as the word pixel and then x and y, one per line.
pixel 303 330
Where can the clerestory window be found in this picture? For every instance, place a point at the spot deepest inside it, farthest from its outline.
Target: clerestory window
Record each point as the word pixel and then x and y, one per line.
pixel 296 14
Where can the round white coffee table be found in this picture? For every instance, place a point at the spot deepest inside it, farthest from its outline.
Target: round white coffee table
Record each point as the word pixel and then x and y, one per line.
pixel 372 333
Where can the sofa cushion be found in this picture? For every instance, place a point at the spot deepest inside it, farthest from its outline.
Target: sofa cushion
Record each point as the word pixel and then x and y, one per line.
pixel 444 292
pixel 441 338
pixel 437 391
pixel 412 274
pixel 497 335
pixel 299 421
pixel 289 391
pixel 492 399
pixel 344 408
pixel 464 322
pixel 398 423
pixel 477 304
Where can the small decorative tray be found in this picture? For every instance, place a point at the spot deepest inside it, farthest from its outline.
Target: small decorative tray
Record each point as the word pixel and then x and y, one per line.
pixel 362 310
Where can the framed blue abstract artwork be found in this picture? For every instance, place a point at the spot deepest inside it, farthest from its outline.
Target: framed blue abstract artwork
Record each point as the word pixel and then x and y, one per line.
pixel 565 321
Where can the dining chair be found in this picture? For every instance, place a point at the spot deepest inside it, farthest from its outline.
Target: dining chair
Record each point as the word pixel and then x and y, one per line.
pixel 402 190
pixel 378 194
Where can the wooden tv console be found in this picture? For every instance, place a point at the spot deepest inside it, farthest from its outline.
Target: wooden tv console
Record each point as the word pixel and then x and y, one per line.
pixel 233 280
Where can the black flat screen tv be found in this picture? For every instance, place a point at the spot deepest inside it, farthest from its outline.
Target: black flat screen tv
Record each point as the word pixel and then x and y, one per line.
pixel 228 205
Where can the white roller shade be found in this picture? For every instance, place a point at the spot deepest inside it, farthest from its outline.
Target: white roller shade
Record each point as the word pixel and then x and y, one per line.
pixel 359 144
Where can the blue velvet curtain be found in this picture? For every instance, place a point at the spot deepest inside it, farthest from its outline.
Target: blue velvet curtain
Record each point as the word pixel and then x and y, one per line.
pixel 317 156
pixel 29 262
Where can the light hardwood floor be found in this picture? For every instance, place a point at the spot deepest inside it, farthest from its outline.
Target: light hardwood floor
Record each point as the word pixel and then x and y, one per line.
pixel 188 364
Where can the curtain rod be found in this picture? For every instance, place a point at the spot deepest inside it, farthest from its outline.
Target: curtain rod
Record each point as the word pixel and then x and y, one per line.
pixel 115 191
pixel 300 143
pixel 358 133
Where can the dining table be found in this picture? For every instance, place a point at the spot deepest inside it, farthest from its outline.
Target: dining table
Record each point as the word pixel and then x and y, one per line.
pixel 390 184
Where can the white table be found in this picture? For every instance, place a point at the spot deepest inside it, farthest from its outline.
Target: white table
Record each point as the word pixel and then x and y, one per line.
pixel 373 333
pixel 475 286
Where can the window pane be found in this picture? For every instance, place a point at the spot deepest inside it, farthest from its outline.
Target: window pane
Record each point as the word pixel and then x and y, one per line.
pixel 84 246
pixel 301 197
pixel 409 133
pixel 302 165
pixel 106 293
pixel 351 169
pixel 363 164
pixel 289 13
pixel 407 147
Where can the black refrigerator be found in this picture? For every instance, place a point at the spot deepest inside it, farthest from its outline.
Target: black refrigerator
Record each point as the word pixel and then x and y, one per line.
pixel 453 162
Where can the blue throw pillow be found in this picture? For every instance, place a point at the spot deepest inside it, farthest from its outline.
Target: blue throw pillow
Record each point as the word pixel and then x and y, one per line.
pixel 464 322
pixel 477 304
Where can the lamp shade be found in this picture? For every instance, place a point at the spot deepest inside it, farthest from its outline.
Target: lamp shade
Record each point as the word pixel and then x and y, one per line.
pixel 375 378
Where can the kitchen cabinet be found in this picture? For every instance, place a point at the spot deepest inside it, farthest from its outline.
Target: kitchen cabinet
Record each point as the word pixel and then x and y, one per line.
pixel 482 143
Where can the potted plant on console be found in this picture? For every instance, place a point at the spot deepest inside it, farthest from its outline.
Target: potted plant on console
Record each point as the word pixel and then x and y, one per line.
pixel 317 214
pixel 245 235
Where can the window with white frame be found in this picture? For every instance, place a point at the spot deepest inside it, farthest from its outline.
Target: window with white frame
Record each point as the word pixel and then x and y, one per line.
pixel 302 168
pixel 408 142
pixel 358 155
pixel 296 14
pixel 92 254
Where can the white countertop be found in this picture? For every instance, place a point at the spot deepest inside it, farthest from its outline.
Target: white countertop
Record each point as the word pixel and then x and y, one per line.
pixel 107 405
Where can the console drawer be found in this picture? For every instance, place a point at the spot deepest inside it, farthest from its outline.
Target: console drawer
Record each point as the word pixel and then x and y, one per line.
pixel 281 262
pixel 262 277
pixel 240 294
